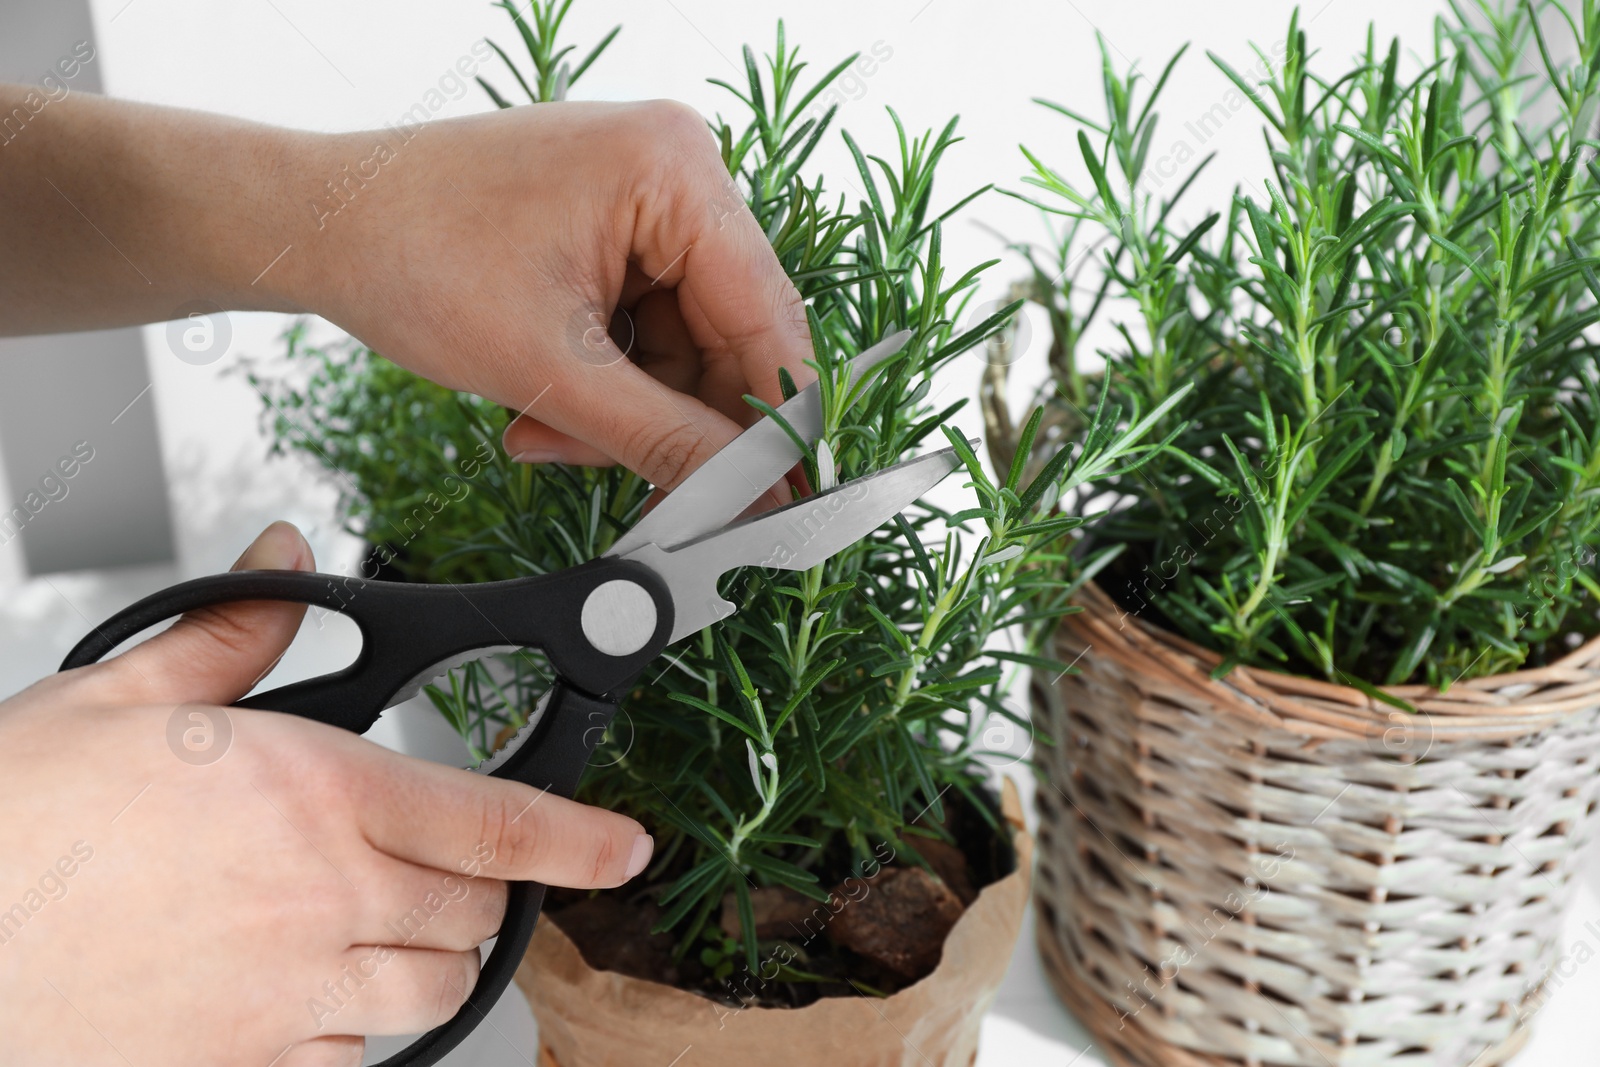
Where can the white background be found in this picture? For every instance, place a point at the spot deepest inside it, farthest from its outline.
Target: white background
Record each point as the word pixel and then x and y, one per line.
pixel 362 64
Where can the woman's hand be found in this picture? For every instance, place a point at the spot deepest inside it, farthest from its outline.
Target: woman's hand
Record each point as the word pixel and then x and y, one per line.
pixel 500 254
pixel 183 884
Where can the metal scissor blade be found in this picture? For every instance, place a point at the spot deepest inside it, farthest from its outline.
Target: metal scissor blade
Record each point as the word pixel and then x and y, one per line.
pixel 733 479
pixel 793 537
pixel 493 761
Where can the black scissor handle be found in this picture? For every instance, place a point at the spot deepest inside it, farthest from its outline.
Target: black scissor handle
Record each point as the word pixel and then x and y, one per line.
pixel 409 629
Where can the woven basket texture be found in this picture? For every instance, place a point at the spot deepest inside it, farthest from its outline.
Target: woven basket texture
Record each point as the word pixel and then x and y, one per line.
pixel 1274 871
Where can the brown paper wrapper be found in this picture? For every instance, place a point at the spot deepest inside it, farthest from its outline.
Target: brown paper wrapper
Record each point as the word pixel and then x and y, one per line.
pixel 590 1018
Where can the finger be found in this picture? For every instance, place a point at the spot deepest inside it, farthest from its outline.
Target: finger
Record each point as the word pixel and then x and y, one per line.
pixel 658 343
pixel 419 907
pixel 635 284
pixel 380 989
pixel 650 428
pixel 454 820
pixel 655 431
pixel 527 440
pixel 733 296
pixel 342 1050
pixel 666 351
pixel 610 404
pixel 694 233
pixel 217 655
pixel 723 386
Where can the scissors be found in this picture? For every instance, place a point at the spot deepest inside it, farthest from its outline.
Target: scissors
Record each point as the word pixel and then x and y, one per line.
pixel 599 624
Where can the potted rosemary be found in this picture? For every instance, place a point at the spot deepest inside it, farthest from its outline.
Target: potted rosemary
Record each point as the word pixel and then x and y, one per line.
pixel 829 850
pixel 1318 786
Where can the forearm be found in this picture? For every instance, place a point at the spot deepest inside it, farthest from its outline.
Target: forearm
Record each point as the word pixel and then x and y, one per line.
pixel 480 252
pixel 119 213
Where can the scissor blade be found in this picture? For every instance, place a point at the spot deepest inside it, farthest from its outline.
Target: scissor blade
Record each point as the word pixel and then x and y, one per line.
pixel 493 762
pixel 733 479
pixel 793 537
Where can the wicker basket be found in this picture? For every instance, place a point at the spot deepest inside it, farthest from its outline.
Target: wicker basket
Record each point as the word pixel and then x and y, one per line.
pixel 1272 870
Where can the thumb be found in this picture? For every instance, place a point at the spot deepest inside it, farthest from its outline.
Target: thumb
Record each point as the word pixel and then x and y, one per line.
pixel 217 655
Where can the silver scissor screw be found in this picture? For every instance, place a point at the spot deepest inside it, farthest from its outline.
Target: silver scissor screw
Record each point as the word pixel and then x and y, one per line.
pixel 618 617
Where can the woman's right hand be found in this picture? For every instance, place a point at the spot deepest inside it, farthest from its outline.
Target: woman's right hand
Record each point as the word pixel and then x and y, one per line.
pixel 183 883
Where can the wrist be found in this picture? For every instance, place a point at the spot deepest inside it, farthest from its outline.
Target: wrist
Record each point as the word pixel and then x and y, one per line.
pixel 131 213
pixel 207 200
pixel 324 191
pixel 264 256
pixel 253 241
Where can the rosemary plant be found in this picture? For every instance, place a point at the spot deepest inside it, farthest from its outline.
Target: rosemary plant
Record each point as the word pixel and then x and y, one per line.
pixel 1389 468
pixel 840 710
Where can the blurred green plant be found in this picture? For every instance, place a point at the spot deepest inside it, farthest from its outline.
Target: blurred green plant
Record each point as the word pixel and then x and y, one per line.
pixel 841 707
pixel 1389 469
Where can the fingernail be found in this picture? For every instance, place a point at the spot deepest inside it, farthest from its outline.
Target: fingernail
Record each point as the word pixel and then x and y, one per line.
pixel 643 846
pixel 536 455
pixel 278 547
